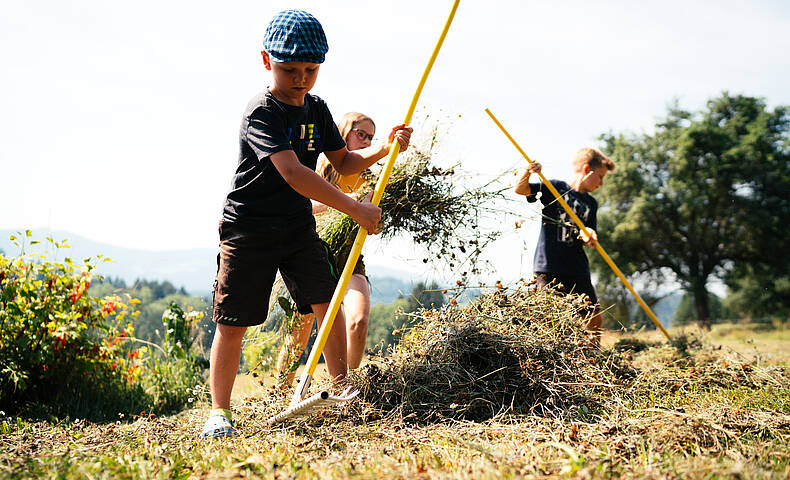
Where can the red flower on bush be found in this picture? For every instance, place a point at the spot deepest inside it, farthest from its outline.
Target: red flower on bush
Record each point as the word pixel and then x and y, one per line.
pixel 109 308
pixel 75 296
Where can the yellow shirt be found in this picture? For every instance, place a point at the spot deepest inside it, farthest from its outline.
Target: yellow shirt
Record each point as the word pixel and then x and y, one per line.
pixel 350 183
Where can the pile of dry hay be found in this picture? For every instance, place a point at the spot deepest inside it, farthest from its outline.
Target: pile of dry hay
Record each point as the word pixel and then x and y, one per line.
pixel 522 352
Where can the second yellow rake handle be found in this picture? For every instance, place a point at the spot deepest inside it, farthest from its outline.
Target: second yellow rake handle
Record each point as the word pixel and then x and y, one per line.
pixel 583 229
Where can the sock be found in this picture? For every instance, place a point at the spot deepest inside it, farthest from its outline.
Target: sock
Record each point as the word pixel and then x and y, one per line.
pixel 224 412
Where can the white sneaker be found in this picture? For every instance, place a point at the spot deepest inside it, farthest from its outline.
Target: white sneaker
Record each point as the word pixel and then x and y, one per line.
pixel 217 426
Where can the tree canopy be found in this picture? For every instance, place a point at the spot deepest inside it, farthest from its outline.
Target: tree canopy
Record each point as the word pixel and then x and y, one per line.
pixel 705 196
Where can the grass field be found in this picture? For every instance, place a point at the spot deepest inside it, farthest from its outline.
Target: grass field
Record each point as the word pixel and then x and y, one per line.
pixel 721 409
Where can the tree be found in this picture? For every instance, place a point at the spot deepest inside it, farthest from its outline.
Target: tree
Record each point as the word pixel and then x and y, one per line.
pixel 760 290
pixel 701 197
pixel 155 297
pixel 393 317
pixel 686 313
pixel 424 296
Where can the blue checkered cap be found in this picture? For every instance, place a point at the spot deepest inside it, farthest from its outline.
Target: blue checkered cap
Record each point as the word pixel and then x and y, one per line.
pixel 295 36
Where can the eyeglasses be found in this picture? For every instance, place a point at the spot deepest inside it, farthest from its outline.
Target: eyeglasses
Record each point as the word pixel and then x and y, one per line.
pixel 362 135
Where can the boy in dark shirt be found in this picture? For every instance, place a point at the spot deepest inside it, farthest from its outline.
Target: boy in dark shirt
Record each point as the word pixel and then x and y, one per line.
pixel 267 223
pixel 560 256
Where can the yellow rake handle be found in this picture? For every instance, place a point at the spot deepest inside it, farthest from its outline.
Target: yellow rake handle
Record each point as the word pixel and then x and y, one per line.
pixel 356 249
pixel 583 229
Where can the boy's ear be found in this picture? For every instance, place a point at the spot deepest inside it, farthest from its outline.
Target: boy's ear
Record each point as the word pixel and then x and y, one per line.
pixel 267 62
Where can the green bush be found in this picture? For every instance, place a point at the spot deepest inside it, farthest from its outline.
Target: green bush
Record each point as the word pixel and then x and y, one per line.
pixel 66 352
pixel 59 345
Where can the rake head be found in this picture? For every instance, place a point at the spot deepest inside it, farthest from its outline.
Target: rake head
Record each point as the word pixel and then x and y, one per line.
pixel 312 403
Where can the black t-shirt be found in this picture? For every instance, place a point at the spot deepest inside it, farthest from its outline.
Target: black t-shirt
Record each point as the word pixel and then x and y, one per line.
pixel 259 198
pixel 560 250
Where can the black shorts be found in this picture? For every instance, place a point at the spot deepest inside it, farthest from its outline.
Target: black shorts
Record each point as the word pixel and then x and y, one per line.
pixel 570 284
pixel 247 265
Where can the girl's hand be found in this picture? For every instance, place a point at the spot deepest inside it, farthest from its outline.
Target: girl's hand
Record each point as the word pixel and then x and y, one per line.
pixel 402 134
pixel 534 167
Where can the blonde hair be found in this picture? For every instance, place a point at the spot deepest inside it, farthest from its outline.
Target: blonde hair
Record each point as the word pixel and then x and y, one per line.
pixel 592 157
pixel 347 123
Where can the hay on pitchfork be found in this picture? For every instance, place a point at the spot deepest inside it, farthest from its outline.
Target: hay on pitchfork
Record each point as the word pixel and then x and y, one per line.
pixel 423 202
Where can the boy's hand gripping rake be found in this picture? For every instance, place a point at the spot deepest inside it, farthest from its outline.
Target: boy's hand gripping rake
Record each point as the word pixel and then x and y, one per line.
pixel 583 229
pixel 301 404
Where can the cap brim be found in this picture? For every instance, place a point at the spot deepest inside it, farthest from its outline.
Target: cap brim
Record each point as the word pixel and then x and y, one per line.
pixel 289 58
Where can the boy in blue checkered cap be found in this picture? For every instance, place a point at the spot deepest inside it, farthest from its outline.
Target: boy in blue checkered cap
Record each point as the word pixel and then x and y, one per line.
pixel 267 223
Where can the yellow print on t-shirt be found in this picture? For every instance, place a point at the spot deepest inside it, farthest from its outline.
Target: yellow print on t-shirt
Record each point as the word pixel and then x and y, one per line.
pixel 306 135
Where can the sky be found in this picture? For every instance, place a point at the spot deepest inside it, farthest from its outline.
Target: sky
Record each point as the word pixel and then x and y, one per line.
pixel 119 120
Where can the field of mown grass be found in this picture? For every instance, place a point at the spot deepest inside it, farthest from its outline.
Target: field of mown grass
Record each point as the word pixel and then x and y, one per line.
pixel 720 410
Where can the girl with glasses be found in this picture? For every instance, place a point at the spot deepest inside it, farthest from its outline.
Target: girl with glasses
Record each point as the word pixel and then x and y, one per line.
pixel 358 131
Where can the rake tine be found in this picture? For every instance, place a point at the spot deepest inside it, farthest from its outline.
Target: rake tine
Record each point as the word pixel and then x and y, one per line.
pixel 314 402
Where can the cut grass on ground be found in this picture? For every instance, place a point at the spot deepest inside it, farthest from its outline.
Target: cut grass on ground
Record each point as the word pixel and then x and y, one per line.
pixel 718 407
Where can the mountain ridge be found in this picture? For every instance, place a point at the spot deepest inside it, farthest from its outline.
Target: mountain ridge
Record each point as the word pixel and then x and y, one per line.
pixel 193 268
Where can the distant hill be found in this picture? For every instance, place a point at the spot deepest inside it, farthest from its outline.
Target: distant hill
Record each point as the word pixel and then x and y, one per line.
pixel 193 269
pixel 665 308
pixel 384 289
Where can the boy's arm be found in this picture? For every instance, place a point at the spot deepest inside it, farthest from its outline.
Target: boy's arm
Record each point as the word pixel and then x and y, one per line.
pixel 348 162
pixel 522 184
pixel 319 207
pixel 313 186
pixel 589 238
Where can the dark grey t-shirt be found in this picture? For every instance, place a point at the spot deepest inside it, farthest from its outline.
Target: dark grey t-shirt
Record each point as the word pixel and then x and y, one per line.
pixel 259 198
pixel 560 251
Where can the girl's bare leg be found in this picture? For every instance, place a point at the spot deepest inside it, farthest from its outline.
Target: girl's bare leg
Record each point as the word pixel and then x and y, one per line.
pixel 356 304
pixel 292 349
pixel 335 347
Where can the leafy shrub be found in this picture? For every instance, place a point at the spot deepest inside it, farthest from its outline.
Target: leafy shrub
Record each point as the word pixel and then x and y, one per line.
pixel 66 352
pixel 57 343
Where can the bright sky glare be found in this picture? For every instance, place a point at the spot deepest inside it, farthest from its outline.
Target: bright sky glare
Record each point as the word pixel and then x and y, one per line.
pixel 120 119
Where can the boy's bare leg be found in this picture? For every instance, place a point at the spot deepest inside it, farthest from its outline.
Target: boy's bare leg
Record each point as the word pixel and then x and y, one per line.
pixel 356 304
pixel 293 348
pixel 594 327
pixel 335 347
pixel 225 358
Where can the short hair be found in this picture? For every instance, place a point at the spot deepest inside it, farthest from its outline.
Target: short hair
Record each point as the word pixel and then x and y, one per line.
pixel 592 157
pixel 347 123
